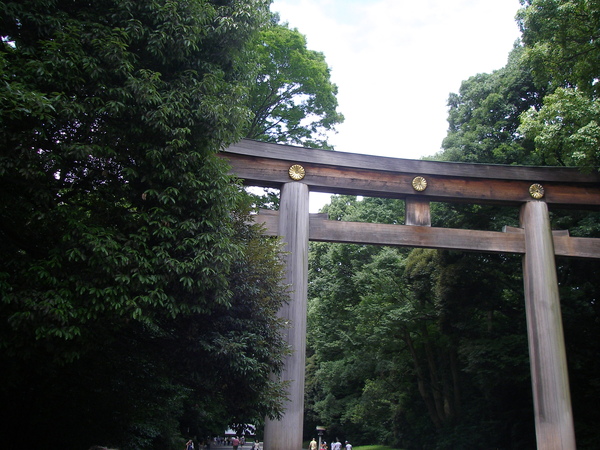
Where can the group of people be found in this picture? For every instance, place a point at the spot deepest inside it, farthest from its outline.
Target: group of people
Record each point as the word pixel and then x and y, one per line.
pixel 337 445
pixel 205 445
pixel 235 442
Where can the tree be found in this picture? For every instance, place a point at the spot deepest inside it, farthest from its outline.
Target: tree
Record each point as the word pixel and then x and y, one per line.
pixel 561 43
pixel 293 99
pixel 340 366
pixel 566 130
pixel 484 115
pixel 124 257
pixel 413 348
pixel 561 47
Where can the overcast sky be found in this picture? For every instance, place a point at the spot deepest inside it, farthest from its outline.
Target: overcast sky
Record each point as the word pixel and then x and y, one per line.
pixel 396 61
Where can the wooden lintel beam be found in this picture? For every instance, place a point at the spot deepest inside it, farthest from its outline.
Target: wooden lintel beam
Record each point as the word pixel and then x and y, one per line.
pixel 470 188
pixel 267 165
pixel 310 156
pixel 510 241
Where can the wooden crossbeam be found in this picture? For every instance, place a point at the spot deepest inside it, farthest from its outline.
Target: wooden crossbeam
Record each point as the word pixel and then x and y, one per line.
pixel 262 164
pixel 512 240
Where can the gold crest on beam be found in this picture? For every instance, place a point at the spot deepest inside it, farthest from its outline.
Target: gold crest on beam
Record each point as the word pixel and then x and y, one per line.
pixel 419 183
pixel 296 172
pixel 536 191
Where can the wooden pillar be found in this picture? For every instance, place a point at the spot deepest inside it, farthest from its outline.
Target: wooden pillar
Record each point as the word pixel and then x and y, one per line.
pixel 548 361
pixel 417 212
pixel 286 434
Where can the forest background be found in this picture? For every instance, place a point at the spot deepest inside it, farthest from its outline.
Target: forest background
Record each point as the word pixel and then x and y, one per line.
pixel 138 306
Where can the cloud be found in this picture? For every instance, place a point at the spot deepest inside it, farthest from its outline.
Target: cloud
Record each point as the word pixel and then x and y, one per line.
pixel 396 61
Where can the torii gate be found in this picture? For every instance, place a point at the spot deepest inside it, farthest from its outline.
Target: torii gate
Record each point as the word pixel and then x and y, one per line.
pixel 296 170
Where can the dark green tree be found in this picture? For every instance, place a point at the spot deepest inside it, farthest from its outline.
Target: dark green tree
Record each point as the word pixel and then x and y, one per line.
pixel 483 116
pixel 292 99
pixel 136 304
pixel 343 392
pixel 561 42
pixel 561 46
pixel 414 348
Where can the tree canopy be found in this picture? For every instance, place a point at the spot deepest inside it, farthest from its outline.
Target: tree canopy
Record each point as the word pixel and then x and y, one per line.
pixel 561 47
pixel 484 116
pixel 413 348
pixel 137 304
pixel 293 99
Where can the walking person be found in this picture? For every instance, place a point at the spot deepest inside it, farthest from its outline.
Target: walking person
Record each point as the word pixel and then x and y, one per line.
pixel 348 446
pixel 235 442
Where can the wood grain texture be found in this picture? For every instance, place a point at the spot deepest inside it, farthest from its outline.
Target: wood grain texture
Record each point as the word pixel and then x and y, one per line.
pixel 512 240
pixel 547 354
pixel 301 155
pixel 418 212
pixel 351 174
pixel 293 226
pixel 415 236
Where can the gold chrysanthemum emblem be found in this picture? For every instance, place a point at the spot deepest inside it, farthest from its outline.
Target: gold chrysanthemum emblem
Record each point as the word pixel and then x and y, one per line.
pixel 419 183
pixel 536 191
pixel 296 172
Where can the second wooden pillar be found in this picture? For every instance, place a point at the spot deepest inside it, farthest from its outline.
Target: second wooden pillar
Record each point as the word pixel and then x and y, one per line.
pixel 286 434
pixel 548 361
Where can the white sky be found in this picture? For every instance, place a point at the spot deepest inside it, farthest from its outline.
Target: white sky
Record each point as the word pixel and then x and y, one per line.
pixel 396 61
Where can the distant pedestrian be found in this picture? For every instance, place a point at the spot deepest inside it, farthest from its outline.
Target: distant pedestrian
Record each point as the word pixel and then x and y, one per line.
pixel 348 446
pixel 337 445
pixel 313 444
pixel 235 442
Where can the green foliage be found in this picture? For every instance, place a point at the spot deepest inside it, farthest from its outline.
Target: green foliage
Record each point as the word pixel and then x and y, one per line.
pixel 336 361
pixel 130 284
pixel 561 47
pixel 484 116
pixel 292 98
pixel 102 180
pixel 560 122
pixel 566 129
pixel 414 348
pixel 561 42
